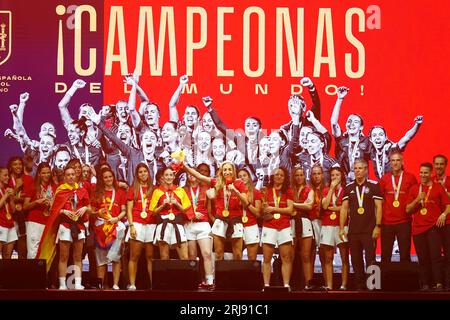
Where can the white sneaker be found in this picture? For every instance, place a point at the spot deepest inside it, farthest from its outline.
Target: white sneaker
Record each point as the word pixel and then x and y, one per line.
pixel 79 287
pixel 116 287
pixel 63 288
pixel 132 287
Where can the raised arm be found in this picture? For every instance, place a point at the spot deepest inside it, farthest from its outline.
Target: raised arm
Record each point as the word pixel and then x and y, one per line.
pixel 175 98
pixel 64 103
pixel 335 128
pixel 22 103
pixel 411 133
pixel 197 175
pixel 220 125
pixel 315 107
pixel 125 149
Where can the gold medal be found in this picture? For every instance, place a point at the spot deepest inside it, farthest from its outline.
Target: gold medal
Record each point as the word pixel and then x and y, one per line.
pixel 396 203
pixel 171 216
pixel 333 216
pixel 423 211
pixel 144 215
pixel 361 210
pixel 8 216
pixel 46 213
pixel 277 216
pixel 18 207
pixel 225 213
pixel 244 219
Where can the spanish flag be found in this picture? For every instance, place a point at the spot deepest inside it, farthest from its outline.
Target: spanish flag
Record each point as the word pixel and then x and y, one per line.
pixel 47 246
pixel 180 193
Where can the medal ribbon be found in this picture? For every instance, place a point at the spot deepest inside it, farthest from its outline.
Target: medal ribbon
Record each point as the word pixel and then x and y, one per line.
pixel 424 202
pixel 226 198
pixel 113 196
pixel 334 197
pixel 360 196
pixel 276 198
pixel 144 201
pixel 397 187
pixel 195 197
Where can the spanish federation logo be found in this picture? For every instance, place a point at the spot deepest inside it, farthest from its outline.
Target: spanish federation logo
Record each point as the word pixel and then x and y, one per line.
pixel 5 35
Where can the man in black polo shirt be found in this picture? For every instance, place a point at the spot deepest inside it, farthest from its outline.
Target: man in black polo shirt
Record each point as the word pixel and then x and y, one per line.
pixel 362 203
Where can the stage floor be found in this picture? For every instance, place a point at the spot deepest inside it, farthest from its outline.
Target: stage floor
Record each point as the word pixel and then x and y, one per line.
pixel 216 295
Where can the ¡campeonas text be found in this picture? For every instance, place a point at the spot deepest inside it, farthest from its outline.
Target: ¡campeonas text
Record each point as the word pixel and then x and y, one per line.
pixel 197 19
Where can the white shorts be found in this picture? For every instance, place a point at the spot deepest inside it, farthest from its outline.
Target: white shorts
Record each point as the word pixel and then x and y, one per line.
pixel 329 235
pixel 169 234
pixel 113 254
pixel 144 232
pixel 34 235
pixel 8 235
pixel 219 228
pixel 65 235
pixel 251 234
pixel 197 230
pixel 316 224
pixel 307 228
pixel 276 237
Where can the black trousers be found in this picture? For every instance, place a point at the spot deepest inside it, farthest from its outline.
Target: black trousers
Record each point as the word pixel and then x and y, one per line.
pixel 401 231
pixel 361 243
pixel 428 248
pixel 445 231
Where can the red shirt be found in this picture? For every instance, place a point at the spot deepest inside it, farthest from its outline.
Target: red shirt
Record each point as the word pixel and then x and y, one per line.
pixel 391 214
pixel 437 200
pixel 234 204
pixel 301 199
pixel 285 220
pixel 39 213
pixel 6 208
pixel 202 201
pixel 105 202
pixel 137 206
pixel 326 219
pixel 257 195
pixel 170 194
pixel 315 211
pixel 81 202
pixel 446 184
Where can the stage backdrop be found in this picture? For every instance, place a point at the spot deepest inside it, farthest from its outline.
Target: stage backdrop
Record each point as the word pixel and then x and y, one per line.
pixel 248 55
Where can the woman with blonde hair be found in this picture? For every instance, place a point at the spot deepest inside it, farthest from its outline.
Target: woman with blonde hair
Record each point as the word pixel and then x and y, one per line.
pixel 230 197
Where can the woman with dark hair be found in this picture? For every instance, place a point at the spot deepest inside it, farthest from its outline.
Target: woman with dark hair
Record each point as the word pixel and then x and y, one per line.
pixel 198 230
pixel 381 146
pixel 109 203
pixel 303 203
pixel 38 201
pixel 172 207
pixel 141 220
pixel 250 215
pixel 8 234
pixel 278 207
pixel 329 233
pixel 17 181
pixel 230 196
